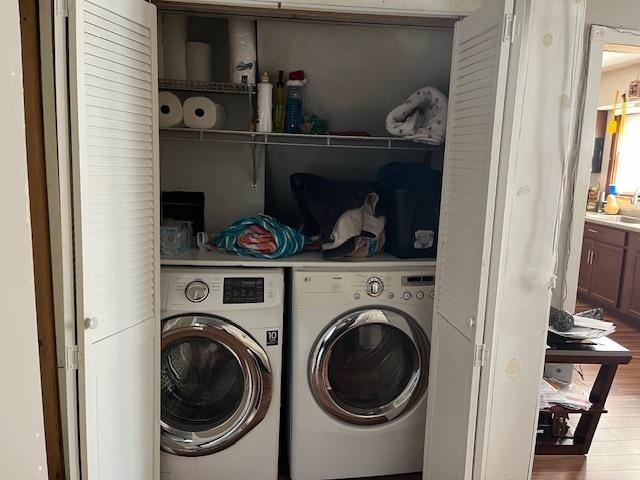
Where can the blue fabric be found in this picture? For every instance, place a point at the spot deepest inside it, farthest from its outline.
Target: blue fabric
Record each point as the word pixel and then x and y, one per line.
pixel 288 241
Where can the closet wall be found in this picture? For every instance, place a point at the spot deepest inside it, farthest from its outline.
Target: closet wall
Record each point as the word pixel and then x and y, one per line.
pixel 357 74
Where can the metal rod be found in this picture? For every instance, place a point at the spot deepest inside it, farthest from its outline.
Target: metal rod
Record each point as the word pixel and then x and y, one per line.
pixel 254 168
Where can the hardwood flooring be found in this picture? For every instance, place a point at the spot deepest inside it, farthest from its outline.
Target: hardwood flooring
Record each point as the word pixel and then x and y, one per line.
pixel 615 452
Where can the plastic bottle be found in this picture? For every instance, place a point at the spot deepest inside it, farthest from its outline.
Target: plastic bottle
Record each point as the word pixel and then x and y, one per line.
pixel 295 94
pixel 279 104
pixel 265 91
pixel 612 207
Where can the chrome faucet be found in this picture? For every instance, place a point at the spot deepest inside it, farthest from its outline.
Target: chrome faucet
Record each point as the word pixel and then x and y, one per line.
pixel 634 198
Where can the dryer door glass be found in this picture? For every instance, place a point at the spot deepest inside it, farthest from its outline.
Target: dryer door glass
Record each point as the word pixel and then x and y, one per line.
pixel 215 384
pixel 202 384
pixel 370 366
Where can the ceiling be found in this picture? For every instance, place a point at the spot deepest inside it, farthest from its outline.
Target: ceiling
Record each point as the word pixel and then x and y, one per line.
pixel 615 60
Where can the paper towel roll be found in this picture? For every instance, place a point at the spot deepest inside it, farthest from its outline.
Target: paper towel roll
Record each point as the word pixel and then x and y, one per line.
pixel 175 46
pixel 199 58
pixel 170 110
pixel 203 113
pixel 242 50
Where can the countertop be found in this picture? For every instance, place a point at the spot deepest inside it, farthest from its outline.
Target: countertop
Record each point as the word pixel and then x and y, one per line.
pixel 613 221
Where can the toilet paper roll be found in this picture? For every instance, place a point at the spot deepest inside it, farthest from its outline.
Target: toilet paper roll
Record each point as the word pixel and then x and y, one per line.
pixel 170 110
pixel 242 50
pixel 175 46
pixel 203 113
pixel 199 59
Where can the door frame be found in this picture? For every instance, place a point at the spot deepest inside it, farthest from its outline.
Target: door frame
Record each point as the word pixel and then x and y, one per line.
pixel 34 100
pixel 52 24
pixel 599 37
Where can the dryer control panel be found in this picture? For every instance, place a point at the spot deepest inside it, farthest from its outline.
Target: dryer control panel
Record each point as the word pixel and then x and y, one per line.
pixel 315 289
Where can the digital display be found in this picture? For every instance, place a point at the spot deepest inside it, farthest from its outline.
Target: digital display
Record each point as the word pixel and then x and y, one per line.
pixel 243 290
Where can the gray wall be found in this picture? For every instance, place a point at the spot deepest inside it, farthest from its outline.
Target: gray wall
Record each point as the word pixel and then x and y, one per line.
pixel 357 73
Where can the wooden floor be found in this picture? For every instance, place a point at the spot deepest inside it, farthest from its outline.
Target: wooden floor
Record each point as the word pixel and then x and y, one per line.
pixel 615 452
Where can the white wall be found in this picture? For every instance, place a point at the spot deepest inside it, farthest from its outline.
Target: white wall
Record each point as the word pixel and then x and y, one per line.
pixel 618 79
pixel 22 448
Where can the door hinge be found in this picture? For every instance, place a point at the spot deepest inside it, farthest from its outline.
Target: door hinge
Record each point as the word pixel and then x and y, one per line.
pixel 71 359
pixel 480 355
pixel 63 7
pixel 511 28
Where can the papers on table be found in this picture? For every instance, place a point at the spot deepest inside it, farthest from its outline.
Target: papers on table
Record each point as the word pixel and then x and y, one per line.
pixel 586 328
pixel 568 395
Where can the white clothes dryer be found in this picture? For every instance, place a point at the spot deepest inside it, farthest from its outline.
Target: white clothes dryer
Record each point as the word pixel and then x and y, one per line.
pixel 220 373
pixel 359 367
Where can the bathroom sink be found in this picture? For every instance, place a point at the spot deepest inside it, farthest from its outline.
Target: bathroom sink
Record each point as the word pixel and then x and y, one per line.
pixel 625 219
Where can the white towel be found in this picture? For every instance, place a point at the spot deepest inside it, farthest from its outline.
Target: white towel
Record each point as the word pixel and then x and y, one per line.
pixel 421 118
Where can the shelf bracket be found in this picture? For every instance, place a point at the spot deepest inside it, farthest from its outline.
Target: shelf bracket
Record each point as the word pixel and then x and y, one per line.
pixel 254 168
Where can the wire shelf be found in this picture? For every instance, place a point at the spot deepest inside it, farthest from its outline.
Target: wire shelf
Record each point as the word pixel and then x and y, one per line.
pixel 295 140
pixel 212 87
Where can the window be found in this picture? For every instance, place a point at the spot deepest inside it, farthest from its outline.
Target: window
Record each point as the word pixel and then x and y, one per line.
pixel 625 172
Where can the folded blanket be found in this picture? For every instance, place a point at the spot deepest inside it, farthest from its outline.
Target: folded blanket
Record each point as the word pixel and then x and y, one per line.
pixel 261 237
pixel 341 215
pixel 421 118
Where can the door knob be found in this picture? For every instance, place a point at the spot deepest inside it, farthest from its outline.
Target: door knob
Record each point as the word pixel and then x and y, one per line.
pixel 91 323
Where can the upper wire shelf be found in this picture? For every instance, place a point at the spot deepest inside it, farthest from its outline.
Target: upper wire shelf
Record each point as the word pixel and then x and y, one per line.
pixel 297 140
pixel 212 87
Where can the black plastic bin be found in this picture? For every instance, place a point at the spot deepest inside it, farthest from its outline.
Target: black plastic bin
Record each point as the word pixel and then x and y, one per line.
pixel 413 212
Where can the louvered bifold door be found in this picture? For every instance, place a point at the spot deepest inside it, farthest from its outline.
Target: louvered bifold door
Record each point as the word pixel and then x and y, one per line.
pixel 477 94
pixel 113 92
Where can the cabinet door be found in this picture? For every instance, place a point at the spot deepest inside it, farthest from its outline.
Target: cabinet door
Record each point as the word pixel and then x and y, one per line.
pixel 113 93
pixel 630 299
pixel 476 105
pixel 584 276
pixel 607 273
pixel 388 7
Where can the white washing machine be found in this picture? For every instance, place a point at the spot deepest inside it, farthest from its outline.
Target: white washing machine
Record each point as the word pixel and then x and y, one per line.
pixel 359 368
pixel 220 373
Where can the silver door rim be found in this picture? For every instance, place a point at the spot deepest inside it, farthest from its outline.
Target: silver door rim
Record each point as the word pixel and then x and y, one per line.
pixel 349 321
pixel 257 392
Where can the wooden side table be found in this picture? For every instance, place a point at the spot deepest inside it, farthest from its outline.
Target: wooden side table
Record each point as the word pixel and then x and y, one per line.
pixel 604 352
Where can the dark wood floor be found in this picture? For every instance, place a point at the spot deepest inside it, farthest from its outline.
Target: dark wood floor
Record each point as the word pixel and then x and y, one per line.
pixel 615 452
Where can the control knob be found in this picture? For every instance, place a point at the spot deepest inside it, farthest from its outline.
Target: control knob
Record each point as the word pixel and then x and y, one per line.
pixel 196 291
pixel 374 287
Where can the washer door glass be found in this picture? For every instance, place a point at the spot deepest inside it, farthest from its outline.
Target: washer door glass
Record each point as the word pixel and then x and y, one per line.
pixel 370 366
pixel 202 384
pixel 216 384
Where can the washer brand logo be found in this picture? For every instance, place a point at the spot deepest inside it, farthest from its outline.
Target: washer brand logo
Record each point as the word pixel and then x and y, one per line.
pixel 272 337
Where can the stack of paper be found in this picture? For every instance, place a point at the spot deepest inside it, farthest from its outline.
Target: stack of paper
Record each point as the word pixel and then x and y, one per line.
pixel 586 328
pixel 569 395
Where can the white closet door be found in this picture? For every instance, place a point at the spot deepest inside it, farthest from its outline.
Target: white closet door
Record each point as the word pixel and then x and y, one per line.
pixel 113 92
pixel 477 94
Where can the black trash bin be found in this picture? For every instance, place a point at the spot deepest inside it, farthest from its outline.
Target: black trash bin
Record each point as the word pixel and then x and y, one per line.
pixel 410 199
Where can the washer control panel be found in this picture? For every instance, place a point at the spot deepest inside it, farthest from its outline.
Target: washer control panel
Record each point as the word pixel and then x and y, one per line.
pixel 206 290
pixel 374 287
